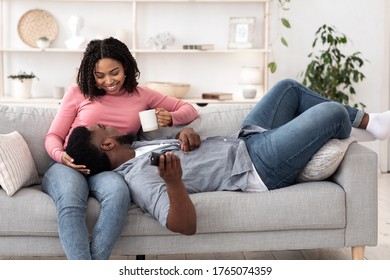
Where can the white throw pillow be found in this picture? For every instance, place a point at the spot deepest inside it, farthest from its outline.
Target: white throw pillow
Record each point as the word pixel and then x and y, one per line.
pixel 325 161
pixel 17 167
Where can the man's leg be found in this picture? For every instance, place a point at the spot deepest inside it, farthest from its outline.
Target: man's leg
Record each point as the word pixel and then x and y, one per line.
pixel 285 101
pixel 378 124
pixel 288 98
pixel 280 154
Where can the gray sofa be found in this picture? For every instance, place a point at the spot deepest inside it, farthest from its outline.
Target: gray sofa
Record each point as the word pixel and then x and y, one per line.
pixel 339 212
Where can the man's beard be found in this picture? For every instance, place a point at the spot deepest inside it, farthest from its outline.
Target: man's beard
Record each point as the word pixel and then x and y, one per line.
pixel 125 139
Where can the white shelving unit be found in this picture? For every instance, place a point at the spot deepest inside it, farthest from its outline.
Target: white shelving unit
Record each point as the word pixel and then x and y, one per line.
pixel 210 70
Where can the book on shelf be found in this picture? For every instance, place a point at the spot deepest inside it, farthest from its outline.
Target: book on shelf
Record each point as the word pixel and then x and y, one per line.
pixel 217 96
pixel 201 47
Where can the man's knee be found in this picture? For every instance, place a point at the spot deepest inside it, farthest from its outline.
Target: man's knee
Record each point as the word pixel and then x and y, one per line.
pixel 287 83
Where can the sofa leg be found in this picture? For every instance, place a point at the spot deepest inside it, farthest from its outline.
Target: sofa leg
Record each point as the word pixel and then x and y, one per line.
pixel 140 257
pixel 358 252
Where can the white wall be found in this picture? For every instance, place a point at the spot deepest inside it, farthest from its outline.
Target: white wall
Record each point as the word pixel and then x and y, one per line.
pixel 364 24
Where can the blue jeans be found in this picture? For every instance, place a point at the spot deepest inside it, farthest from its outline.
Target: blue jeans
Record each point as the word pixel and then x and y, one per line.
pixel 70 191
pixel 298 122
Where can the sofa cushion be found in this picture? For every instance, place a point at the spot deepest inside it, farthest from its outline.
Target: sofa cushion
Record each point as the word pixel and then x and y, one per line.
pixel 325 161
pixel 32 123
pixel 220 120
pixel 212 121
pixel 312 205
pixel 31 212
pixel 17 167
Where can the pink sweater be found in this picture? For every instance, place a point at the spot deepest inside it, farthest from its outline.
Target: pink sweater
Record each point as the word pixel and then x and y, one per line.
pixel 120 111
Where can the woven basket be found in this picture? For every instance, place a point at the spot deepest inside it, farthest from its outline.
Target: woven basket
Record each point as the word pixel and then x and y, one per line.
pixel 35 24
pixel 170 89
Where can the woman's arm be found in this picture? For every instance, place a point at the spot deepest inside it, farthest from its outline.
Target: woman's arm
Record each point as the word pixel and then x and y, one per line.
pixel 62 123
pixel 181 112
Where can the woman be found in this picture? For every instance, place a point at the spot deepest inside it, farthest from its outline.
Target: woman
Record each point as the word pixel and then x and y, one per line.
pixel 107 92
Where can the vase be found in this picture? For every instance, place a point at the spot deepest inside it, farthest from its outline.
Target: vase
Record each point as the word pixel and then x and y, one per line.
pixel 21 88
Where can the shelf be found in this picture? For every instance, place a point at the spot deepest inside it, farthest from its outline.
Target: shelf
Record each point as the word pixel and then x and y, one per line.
pixel 54 103
pixel 36 50
pixel 200 51
pixel 212 101
pixel 206 70
pixel 151 1
pixel 35 102
pixel 167 51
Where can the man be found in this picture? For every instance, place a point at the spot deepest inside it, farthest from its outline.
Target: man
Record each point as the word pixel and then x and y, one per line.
pixel 277 139
pixel 161 190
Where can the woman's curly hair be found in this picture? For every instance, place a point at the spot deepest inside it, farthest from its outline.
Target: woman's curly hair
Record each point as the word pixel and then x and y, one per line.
pixel 106 48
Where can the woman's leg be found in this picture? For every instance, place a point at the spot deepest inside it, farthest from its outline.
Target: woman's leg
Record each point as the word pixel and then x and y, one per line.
pixel 69 190
pixel 285 101
pixel 111 190
pixel 279 154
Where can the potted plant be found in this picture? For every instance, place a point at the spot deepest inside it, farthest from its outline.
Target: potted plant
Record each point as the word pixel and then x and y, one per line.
pixel 330 72
pixel 42 42
pixel 21 84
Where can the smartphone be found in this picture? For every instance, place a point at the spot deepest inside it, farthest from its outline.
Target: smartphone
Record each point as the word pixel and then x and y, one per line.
pixel 154 158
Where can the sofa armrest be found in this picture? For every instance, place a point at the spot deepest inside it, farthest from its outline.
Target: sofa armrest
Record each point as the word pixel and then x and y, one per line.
pixel 358 176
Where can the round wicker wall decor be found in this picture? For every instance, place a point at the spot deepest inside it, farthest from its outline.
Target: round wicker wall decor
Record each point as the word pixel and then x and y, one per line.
pixel 35 24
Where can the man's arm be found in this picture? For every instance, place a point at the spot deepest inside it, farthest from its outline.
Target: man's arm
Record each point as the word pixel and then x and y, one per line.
pixel 181 215
pixel 189 139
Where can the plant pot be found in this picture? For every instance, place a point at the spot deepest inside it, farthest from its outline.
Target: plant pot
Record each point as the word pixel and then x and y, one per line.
pixel 42 44
pixel 21 88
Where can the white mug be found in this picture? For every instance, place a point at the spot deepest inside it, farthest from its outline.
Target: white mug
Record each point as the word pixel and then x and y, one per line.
pixel 148 120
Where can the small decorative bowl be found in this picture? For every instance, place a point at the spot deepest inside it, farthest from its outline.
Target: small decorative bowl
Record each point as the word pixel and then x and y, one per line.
pixel 171 89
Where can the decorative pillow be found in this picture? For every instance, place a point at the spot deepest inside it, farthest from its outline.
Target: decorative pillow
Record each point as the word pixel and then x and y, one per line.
pixel 17 167
pixel 325 161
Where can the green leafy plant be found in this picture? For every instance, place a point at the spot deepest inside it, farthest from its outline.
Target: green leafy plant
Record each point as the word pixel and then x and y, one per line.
pixel 43 38
pixel 283 5
pixel 22 75
pixel 330 72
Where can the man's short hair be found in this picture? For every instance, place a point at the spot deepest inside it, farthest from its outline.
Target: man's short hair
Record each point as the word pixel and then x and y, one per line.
pixel 84 152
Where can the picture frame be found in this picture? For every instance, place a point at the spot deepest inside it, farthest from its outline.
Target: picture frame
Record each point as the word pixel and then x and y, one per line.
pixel 241 32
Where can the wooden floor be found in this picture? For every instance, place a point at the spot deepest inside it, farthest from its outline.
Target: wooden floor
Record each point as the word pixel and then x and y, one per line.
pixel 379 252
